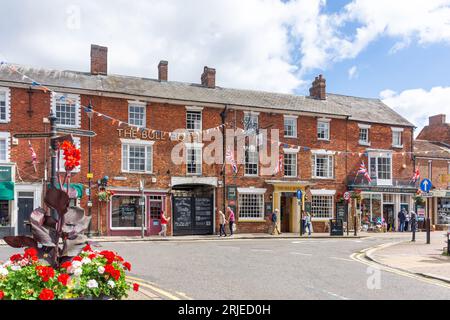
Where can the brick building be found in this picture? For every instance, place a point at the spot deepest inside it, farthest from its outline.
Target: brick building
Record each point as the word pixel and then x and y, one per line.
pixel 432 157
pixel 323 140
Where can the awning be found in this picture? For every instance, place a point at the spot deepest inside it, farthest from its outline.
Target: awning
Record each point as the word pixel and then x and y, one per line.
pixel 77 186
pixel 7 190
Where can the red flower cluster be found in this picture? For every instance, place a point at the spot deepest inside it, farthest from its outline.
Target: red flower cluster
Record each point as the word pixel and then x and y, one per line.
pixel 15 257
pixel 45 272
pixel 113 272
pixel 135 287
pixel 72 155
pixel 77 258
pixel 87 248
pixel 31 253
pixel 109 255
pixel 63 279
pixel 46 294
pixel 127 266
pixel 92 256
pixel 2 295
pixel 66 265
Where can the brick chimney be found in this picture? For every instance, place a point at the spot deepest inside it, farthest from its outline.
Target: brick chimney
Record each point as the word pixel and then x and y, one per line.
pixel 163 70
pixel 437 120
pixel 318 89
pixel 99 60
pixel 209 77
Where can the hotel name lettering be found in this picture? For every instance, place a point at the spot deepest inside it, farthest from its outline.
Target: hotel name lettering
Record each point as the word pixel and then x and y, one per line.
pixel 142 134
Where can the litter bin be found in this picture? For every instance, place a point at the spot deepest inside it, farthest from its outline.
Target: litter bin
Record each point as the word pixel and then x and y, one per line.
pixel 336 227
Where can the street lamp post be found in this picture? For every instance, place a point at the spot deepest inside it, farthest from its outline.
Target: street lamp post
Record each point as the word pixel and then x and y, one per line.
pixel 89 114
pixel 142 203
pixel 53 146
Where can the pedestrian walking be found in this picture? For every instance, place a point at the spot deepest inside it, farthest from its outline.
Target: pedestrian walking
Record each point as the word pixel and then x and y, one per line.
pixel 231 219
pixel 401 220
pixel 407 219
pixel 413 221
pixel 308 223
pixel 275 222
pixel 303 226
pixel 164 221
pixel 223 221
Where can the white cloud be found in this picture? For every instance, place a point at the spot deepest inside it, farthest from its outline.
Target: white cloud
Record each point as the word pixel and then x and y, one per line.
pixel 254 44
pixel 353 73
pixel 418 104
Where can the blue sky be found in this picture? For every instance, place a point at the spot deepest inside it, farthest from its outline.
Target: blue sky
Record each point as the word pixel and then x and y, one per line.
pixel 394 50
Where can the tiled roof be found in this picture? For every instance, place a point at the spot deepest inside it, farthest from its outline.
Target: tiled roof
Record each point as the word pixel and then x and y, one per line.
pixel 359 109
pixel 424 148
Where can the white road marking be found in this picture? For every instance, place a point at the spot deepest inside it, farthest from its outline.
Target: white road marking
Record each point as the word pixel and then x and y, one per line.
pixel 262 250
pixel 342 259
pixel 335 295
pixel 301 254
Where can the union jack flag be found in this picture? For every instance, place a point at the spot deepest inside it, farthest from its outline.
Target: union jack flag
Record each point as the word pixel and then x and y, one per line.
pixel 230 157
pixel 363 170
pixel 33 154
pixel 416 175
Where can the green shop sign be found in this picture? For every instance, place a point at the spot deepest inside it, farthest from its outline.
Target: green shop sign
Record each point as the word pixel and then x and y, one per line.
pixel 5 173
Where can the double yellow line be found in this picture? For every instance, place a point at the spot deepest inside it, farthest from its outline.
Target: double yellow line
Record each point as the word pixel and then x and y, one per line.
pixel 160 292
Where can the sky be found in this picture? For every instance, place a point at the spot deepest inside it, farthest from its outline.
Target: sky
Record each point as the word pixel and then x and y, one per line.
pixel 397 51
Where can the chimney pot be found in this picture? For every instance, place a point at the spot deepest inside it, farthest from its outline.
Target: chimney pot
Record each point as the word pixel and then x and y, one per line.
pixel 209 77
pixel 163 70
pixel 437 120
pixel 99 60
pixel 318 88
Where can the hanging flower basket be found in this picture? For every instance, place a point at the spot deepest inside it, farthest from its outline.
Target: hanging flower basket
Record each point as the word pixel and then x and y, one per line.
pixel 357 195
pixel 105 196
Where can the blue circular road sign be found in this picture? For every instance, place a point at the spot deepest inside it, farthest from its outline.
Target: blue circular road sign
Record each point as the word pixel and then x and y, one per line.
pixel 426 185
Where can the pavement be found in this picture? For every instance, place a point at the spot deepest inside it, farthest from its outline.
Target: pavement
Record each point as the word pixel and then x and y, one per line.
pixel 417 257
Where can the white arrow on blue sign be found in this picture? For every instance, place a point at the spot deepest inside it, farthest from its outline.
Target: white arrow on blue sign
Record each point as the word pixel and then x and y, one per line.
pixel 426 185
pixel 299 194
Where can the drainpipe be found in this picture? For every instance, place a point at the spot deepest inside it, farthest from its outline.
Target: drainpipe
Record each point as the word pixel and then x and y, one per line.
pixel 223 115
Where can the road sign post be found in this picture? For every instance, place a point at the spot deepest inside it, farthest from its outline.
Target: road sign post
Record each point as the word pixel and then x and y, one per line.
pixel 426 186
pixel 54 147
pixel 76 132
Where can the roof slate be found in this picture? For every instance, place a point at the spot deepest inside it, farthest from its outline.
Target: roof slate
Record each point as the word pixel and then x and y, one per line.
pixel 358 109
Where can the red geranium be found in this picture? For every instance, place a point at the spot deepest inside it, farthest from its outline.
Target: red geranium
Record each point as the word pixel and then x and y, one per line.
pixel 87 248
pixel 92 256
pixel 15 257
pixel 2 295
pixel 113 272
pixel 127 266
pixel 119 258
pixel 109 255
pixel 46 294
pixel 77 258
pixel 66 265
pixel 45 272
pixel 72 155
pixel 63 279
pixel 30 252
pixel 135 287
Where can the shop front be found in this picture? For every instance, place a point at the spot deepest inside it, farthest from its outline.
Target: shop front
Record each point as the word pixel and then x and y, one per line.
pixel 129 211
pixel 193 203
pixel 379 207
pixel 442 208
pixel 7 196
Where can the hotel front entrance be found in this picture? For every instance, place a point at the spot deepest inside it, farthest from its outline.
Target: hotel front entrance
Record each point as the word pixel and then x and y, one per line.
pixel 285 200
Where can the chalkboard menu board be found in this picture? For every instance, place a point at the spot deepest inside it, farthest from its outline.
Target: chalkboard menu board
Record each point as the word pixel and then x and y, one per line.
pixel 341 210
pixel 182 212
pixel 336 227
pixel 203 212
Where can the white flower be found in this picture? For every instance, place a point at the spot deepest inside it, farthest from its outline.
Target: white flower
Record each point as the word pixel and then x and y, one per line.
pixel 76 264
pixel 85 261
pixel 24 262
pixel 77 272
pixel 3 272
pixel 15 268
pixel 92 284
pixel 101 270
pixel 111 284
pixel 7 263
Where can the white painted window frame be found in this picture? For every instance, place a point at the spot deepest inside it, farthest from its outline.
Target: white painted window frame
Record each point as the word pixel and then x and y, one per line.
pixel 196 147
pixel 7 93
pixel 327 122
pixel 259 192
pixel 397 131
pixel 74 97
pixel 7 137
pixel 294 119
pixel 141 143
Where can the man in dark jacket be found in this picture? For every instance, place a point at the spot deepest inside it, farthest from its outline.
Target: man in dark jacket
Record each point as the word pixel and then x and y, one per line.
pixel 402 219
